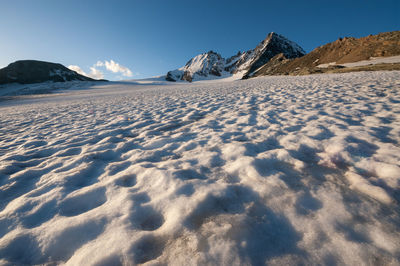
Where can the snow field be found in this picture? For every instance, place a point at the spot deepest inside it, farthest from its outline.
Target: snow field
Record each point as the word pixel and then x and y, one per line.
pixel 272 170
pixel 371 61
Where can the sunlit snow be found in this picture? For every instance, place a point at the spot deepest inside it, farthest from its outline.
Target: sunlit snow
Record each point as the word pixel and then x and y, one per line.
pixel 272 170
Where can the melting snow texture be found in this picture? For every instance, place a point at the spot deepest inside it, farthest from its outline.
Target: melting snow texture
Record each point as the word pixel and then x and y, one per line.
pixel 272 170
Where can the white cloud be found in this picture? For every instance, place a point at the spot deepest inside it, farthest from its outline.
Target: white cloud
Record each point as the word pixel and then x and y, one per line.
pixel 77 69
pixel 94 73
pixel 109 65
pixel 115 67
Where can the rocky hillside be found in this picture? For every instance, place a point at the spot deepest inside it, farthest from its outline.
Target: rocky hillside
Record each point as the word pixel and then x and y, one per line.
pixel 32 71
pixel 211 64
pixel 341 51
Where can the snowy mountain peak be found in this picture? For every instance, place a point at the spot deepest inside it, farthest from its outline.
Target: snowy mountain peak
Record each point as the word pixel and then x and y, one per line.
pixel 199 66
pixel 272 45
pixel 211 64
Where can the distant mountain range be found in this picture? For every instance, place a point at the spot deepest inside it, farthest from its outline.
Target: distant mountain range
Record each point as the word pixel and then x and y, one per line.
pixel 32 71
pixel 211 64
pixel 276 55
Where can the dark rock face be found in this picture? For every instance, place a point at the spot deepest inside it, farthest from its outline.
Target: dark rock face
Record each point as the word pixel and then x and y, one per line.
pixel 169 77
pixel 187 76
pixel 272 64
pixel 32 71
pixel 215 71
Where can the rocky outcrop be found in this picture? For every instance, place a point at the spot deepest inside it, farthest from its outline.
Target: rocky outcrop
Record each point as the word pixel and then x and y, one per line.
pixel 32 71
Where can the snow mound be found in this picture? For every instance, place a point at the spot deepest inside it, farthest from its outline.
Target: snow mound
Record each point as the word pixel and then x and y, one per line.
pixel 271 170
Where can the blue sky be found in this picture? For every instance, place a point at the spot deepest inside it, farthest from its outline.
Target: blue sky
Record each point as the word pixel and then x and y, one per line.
pixel 143 38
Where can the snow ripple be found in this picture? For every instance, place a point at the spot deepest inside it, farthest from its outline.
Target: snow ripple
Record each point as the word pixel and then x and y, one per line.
pixel 273 170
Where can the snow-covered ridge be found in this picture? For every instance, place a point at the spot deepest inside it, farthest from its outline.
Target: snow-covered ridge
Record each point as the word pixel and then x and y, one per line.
pixel 211 64
pixel 266 171
pixel 202 65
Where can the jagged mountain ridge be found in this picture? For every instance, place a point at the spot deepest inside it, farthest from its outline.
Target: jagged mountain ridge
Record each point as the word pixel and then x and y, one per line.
pixel 213 64
pixel 274 44
pixel 33 71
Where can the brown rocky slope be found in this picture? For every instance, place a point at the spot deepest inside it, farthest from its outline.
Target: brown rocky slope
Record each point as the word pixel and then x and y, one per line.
pixel 343 50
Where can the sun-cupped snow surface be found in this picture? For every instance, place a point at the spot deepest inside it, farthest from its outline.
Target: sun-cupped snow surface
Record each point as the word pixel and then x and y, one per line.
pixel 271 170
